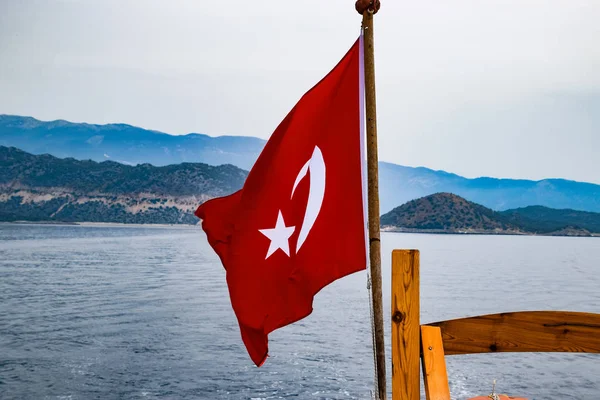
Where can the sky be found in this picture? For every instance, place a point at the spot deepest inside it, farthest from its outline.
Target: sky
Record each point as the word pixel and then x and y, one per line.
pixel 502 88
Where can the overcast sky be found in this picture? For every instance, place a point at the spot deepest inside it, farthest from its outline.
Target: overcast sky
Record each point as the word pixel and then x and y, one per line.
pixel 503 88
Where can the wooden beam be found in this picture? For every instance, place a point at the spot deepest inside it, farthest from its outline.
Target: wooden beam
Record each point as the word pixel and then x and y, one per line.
pixel 405 325
pixel 435 376
pixel 527 331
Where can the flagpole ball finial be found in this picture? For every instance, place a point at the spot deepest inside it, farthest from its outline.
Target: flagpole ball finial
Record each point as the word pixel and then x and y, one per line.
pixel 371 5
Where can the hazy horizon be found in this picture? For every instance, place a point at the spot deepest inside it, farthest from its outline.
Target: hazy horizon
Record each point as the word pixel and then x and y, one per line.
pixel 501 89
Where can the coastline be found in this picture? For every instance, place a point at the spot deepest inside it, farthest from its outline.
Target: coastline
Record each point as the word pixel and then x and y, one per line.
pixel 102 224
pixel 383 229
pixel 484 232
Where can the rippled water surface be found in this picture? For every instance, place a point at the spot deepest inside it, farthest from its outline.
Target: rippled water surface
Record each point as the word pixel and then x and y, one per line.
pixel 143 312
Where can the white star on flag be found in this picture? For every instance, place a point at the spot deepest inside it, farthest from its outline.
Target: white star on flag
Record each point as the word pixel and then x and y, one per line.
pixel 279 236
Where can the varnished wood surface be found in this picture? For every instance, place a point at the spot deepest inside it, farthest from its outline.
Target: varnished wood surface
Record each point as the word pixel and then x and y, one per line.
pixel 435 376
pixel 405 325
pixel 526 331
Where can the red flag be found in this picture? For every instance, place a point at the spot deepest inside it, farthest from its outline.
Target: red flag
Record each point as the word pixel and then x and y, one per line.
pixel 299 222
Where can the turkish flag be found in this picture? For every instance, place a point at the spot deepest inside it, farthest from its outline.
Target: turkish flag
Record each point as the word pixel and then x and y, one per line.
pixel 299 222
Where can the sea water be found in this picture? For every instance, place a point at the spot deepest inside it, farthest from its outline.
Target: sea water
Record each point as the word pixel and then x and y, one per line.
pixel 122 312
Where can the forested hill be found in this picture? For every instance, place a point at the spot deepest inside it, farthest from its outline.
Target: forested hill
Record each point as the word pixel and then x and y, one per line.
pixel 51 189
pixel 449 213
pixel 46 188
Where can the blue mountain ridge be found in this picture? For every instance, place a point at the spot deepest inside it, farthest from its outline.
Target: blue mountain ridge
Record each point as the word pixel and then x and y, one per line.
pixel 398 184
pixel 125 143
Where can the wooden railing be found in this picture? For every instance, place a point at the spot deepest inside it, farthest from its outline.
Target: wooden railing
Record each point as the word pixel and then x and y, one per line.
pixel 414 344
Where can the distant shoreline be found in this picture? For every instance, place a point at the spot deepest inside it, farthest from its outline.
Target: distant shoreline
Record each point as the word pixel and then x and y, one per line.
pixel 479 232
pixel 383 229
pixel 100 224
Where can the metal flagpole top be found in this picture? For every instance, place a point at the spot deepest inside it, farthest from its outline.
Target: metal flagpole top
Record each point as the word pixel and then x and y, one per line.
pixel 364 5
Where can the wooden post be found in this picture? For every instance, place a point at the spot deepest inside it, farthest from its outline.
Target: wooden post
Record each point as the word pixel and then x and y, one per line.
pixel 373 190
pixel 435 376
pixel 405 325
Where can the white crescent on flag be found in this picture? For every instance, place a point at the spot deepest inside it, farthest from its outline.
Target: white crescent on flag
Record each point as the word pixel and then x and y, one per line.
pixel 316 192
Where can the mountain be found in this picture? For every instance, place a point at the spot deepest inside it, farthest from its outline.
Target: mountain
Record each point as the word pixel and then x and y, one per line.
pixel 543 219
pixel 400 184
pixel 446 212
pixel 46 188
pixel 397 184
pixel 125 143
pixel 449 213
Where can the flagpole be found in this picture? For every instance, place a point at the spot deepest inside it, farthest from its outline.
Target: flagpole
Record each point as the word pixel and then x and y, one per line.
pixel 373 191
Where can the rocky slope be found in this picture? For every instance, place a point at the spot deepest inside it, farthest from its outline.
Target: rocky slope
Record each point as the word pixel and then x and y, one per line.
pixel 46 188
